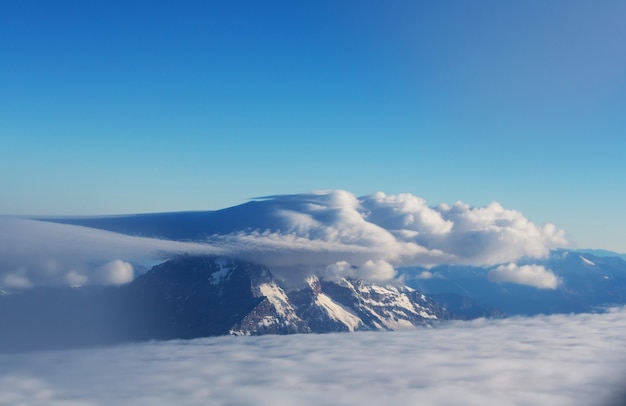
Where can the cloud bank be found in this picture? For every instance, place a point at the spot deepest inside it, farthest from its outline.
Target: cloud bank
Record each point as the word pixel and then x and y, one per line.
pixel 328 233
pixel 560 360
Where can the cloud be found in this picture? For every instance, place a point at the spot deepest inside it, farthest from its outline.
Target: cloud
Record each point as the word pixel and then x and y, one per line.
pixel 377 271
pixel 15 280
pixel 75 278
pixel 35 253
pixel 296 235
pixel 114 273
pixel 404 215
pixel 425 275
pixel 547 360
pixel 531 275
pixel 317 229
pixel 491 235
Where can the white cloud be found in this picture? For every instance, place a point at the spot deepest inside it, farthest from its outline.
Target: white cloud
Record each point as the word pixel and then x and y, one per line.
pixel 15 280
pixel 311 231
pixel 301 234
pixel 115 272
pixel 491 235
pixel 404 213
pixel 560 360
pixel 338 270
pixel 425 275
pixel 378 271
pixel 532 275
pixel 324 228
pixel 75 278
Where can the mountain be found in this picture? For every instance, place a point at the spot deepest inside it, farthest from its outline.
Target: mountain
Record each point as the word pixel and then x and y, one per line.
pixel 600 253
pixel 350 304
pixel 586 283
pixel 198 296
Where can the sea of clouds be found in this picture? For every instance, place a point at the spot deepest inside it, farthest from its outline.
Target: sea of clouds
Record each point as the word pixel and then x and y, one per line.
pixel 554 360
pixel 330 233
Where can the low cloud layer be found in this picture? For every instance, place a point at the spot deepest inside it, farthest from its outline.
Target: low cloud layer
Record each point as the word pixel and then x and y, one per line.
pixel 560 360
pixel 323 233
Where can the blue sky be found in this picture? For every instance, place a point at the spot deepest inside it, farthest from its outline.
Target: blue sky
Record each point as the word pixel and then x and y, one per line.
pixel 108 107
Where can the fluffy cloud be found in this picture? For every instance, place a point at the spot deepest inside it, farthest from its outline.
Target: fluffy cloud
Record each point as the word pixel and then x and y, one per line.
pixel 75 278
pixel 15 280
pixel 318 229
pixel 404 215
pixel 425 275
pixel 561 360
pixel 531 275
pixel 297 235
pixel 114 273
pixel 377 271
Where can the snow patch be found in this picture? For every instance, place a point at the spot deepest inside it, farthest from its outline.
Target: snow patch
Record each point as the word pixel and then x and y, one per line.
pixel 399 324
pixel 337 312
pixel 586 261
pixel 226 268
pixel 427 315
pixel 277 297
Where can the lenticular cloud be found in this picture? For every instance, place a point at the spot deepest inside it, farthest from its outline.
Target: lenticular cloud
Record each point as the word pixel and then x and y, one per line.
pixel 330 233
pixel 320 229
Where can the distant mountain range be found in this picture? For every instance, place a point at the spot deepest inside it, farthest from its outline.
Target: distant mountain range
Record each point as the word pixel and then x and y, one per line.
pixel 600 253
pixel 586 283
pixel 197 296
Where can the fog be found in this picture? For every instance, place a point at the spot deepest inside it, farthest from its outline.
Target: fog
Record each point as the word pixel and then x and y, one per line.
pixel 544 360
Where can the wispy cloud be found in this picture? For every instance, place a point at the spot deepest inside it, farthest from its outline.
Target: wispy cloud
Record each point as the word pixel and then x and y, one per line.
pixel 556 360
pixel 42 253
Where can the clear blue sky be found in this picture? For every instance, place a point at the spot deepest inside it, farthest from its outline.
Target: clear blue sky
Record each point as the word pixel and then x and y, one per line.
pixel 141 106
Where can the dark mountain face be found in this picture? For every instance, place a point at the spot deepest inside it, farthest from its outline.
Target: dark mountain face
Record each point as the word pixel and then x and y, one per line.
pixel 186 297
pixel 586 283
pixel 190 297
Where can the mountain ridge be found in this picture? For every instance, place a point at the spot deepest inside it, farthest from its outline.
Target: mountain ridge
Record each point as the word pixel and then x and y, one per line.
pixel 587 283
pixel 197 296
